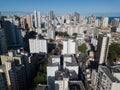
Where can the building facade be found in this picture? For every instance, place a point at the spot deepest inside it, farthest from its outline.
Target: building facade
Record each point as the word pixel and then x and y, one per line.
pixel 3 45
pixel 38 46
pixel 106 81
pixel 69 47
pixel 56 63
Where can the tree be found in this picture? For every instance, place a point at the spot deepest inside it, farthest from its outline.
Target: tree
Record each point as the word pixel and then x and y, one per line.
pixel 82 48
pixel 65 34
pixel 85 32
pixel 51 40
pixel 60 46
pixel 32 34
pixel 114 52
pixel 41 75
pixel 44 31
pixel 74 35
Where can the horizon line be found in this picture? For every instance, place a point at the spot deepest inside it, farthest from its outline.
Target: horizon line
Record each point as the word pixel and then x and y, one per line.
pixel 116 14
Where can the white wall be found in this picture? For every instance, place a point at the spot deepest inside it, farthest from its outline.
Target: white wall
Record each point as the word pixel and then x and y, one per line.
pixel 37 46
pixel 69 47
pixel 115 86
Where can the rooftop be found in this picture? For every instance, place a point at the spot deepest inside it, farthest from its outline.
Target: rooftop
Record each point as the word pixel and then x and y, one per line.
pixel 115 69
pixel 76 85
pixel 56 60
pixel 70 60
pixel 59 75
pixel 109 74
pixel 2 68
pixel 19 67
pixel 65 73
pixel 41 87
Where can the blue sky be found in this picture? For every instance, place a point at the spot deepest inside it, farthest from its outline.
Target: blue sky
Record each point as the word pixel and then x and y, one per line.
pixel 108 7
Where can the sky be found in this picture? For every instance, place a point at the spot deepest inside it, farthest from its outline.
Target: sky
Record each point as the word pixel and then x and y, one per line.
pixel 85 7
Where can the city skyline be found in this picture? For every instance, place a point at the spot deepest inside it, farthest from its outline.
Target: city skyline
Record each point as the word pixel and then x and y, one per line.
pixel 84 7
pixel 59 45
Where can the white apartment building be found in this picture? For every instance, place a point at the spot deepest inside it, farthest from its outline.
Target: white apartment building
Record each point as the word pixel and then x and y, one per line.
pixel 104 50
pixel 52 67
pixel 118 29
pixel 69 47
pixel 51 31
pixel 105 21
pixel 37 21
pixel 97 23
pixel 67 80
pixel 80 38
pixel 58 62
pixel 106 80
pixel 38 46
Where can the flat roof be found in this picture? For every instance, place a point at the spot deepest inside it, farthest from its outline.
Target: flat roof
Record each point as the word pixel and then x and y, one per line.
pixel 115 69
pixel 65 73
pixel 109 74
pixel 70 60
pixel 50 63
pixel 42 87
pixel 73 60
pixel 76 84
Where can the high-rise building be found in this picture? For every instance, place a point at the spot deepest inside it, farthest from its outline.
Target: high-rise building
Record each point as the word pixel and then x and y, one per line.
pixel 1 22
pixel 51 32
pixel 104 50
pixel 11 57
pixel 51 15
pixel 105 79
pixel 18 78
pixel 14 59
pixel 115 22
pixel 90 20
pixel 53 65
pixel 97 23
pixel 56 63
pixel 8 66
pixel 17 59
pixel 19 39
pixel 118 29
pixel 9 32
pixel 80 38
pixel 69 47
pixel 105 21
pixel 23 22
pixel 67 80
pixel 3 82
pixel 29 21
pixel 3 45
pixel 12 33
pixel 38 46
pixel 37 19
pixel 76 17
